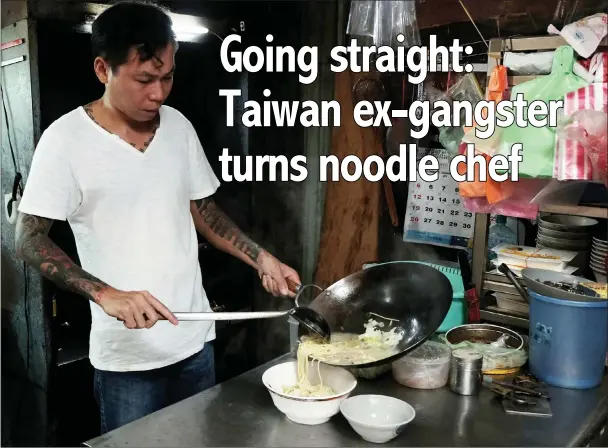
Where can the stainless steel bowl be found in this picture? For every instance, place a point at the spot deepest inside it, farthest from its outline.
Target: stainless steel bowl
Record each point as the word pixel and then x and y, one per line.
pixel 561 244
pixel 567 223
pixel 484 333
pixel 563 235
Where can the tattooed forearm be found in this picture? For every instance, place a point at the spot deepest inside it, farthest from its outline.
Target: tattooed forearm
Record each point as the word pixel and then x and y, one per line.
pixel 221 225
pixel 36 248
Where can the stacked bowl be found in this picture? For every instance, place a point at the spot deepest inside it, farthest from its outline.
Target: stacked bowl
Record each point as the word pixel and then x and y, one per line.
pixel 564 232
pixel 599 259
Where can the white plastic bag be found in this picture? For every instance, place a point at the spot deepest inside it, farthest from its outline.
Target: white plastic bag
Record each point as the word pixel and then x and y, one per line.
pixel 585 34
pixel 494 357
pixel 529 63
pixel 383 21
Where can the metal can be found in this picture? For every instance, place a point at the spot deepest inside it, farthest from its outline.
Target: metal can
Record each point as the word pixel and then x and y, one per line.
pixel 465 371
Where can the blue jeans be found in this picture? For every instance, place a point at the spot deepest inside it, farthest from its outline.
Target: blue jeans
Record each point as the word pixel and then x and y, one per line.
pixel 123 397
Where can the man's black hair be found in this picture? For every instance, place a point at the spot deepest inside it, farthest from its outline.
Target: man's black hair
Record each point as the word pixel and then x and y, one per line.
pixel 128 24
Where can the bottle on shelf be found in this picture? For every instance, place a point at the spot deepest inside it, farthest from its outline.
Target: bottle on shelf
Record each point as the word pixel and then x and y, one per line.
pixel 499 233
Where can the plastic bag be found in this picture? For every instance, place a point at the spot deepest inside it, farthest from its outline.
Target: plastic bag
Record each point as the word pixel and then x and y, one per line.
pixel 522 199
pixel 522 190
pixel 475 188
pixel 582 157
pixel 539 143
pixel 537 63
pixel 507 207
pixel 585 34
pixel 384 21
pixel 361 18
pixel 466 89
pixel 589 129
pixel 495 357
pixel 598 66
pixel 517 199
pixel 496 91
pixel 560 193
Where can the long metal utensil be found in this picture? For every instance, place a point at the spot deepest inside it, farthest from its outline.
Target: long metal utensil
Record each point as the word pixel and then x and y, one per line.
pixel 308 317
pixel 226 315
pixel 511 276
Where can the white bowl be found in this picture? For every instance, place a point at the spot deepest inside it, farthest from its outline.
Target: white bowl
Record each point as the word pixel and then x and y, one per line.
pixel 377 418
pixel 308 410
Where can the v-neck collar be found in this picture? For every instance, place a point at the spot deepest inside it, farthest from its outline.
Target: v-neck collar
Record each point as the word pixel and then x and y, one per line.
pixel 117 138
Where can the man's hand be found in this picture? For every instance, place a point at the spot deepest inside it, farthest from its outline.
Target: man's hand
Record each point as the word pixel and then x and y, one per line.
pixel 220 231
pixel 273 274
pixel 137 309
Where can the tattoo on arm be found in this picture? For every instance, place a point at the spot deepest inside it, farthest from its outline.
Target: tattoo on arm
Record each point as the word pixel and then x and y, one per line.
pixel 36 248
pixel 224 227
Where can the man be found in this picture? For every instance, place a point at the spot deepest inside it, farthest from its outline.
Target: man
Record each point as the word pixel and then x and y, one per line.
pixel 130 176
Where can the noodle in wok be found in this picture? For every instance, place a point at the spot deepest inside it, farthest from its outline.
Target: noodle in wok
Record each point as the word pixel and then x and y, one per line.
pixel 344 349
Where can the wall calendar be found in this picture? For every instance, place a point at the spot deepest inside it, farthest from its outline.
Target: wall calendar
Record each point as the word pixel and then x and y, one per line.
pixel 435 211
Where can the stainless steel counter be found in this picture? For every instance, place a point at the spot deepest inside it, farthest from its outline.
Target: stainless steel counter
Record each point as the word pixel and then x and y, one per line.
pixel 240 412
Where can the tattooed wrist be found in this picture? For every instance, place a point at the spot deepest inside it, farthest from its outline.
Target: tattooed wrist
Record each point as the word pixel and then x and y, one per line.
pixel 38 250
pixel 220 224
pixel 98 295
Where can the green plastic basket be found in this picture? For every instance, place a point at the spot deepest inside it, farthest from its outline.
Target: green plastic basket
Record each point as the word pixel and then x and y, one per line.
pixel 457 314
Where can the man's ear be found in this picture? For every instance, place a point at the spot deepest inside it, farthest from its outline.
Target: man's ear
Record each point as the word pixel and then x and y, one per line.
pixel 102 69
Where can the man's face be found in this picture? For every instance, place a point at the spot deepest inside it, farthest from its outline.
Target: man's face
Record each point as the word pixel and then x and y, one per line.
pixel 137 88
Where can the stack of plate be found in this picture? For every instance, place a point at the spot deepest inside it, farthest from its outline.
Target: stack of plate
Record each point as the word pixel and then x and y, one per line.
pixel 599 252
pixel 564 232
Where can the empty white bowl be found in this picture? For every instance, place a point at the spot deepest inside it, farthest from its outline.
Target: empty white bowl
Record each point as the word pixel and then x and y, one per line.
pixel 308 410
pixel 377 418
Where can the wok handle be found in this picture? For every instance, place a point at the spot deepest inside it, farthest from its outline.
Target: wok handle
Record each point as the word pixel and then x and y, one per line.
pixel 298 289
pixel 505 270
pixel 293 286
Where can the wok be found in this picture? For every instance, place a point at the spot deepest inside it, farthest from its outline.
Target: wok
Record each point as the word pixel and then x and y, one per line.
pixel 535 279
pixel 416 296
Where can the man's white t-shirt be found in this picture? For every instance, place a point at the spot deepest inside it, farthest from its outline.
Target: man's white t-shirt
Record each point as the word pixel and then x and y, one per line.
pixel 130 215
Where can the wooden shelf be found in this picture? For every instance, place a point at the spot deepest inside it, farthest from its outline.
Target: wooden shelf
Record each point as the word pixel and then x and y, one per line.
pixel 497 282
pixel 503 318
pixel 578 210
pixel 531 44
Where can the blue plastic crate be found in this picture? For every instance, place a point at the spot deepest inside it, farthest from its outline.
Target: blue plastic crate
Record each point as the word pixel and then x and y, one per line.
pixel 457 314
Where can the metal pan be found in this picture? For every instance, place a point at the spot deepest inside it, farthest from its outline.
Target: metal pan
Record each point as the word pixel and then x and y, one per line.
pixel 416 296
pixel 563 235
pixel 535 278
pixel 567 223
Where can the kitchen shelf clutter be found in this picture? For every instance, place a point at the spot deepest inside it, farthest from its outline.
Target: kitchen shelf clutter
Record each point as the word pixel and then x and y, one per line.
pixel 561 171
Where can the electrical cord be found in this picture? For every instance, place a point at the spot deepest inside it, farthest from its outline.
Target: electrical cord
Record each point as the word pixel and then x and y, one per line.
pixel 18 187
pixel 18 183
pixel 10 143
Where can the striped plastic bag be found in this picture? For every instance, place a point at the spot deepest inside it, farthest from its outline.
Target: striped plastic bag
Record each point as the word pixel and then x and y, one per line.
pixel 579 153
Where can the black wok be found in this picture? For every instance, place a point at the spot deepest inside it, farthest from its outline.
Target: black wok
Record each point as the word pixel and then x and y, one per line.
pixel 417 296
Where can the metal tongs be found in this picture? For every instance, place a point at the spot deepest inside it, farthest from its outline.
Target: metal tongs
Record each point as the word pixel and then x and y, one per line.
pixel 514 392
pixel 512 396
